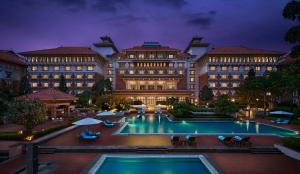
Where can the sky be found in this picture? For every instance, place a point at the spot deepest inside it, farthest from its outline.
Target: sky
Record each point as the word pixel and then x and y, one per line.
pixel 39 24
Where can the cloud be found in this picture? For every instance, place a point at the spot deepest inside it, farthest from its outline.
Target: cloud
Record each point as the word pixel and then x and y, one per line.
pixel 201 19
pixel 110 6
pixel 72 5
pixel 168 3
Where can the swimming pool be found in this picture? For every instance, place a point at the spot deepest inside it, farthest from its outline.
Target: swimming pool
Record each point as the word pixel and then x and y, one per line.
pixel 150 164
pixel 162 125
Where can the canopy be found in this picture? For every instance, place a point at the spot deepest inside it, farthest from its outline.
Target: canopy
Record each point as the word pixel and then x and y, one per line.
pixel 87 121
pixel 281 113
pixel 106 114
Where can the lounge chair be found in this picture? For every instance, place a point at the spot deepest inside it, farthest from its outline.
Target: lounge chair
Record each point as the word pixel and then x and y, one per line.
pixel 280 121
pixel 190 139
pixel 108 124
pixel 83 135
pixel 175 139
pixel 225 139
pixel 90 133
pixel 241 140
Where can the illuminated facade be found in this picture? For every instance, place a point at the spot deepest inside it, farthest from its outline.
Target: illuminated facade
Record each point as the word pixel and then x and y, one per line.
pixel 81 67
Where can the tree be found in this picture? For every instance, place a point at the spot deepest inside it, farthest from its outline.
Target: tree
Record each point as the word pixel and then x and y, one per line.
pixel 24 87
pixel 29 113
pixel 206 93
pixel 292 12
pixel 224 106
pixel 84 98
pixel 7 94
pixel 102 87
pixel 62 84
pixel 172 100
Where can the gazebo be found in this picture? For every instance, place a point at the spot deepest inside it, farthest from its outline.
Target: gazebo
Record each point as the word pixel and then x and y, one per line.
pixel 58 103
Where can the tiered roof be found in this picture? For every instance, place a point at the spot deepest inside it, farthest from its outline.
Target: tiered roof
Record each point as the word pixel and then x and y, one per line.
pixel 11 57
pixel 63 51
pixel 49 94
pixel 241 50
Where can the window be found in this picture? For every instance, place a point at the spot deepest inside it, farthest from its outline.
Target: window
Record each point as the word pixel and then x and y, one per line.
pixel 224 68
pixel 45 68
pixel 180 72
pixel 257 68
pixel 33 76
pixel 181 65
pixel 34 68
pixel 160 72
pixel 131 56
pixel 235 76
pixel 34 84
pixel 90 68
pixel 192 79
pixel 78 68
pixel 235 68
pixel 56 68
pixel 235 85
pixel 170 72
pixel 110 65
pixel 247 68
pixel 90 84
pixel 212 85
pixel 67 68
pixel 45 76
pixel 56 76
pixel 212 68
pixel 212 76
pixel 141 56
pixel 90 76
pixel 68 76
pixel 46 85
pixel 79 84
pixel 151 71
pixel 192 72
pixel 223 76
pixel 224 85
pixel 122 71
pixel 56 84
pixel 171 56
pixel 141 72
pixel 171 64
pixel 269 68
pixel 192 65
pixel 131 72
pixel 79 76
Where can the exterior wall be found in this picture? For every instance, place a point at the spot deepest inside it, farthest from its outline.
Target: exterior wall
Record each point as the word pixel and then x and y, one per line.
pixel 11 73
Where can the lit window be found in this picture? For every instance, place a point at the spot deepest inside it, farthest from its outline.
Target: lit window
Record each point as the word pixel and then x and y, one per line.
pixel 34 84
pixel 192 65
pixel 68 76
pixel 68 84
pixel 122 71
pixel 131 56
pixel 171 56
pixel 56 84
pixel 109 72
pixel 212 76
pixel 180 72
pixel 192 72
pixel 90 68
pixel 235 68
pixel 90 84
pixel 247 68
pixel 151 72
pixel 79 84
pixel 110 79
pixel 212 85
pixel 170 72
pixel 141 56
pixel 33 76
pixel 56 76
pixel 257 68
pixel 160 72
pixel 235 76
pixel 34 68
pixel 78 68
pixel 223 76
pixel 269 68
pixel 212 68
pixel 110 65
pixel 45 68
pixel 131 72
pixel 224 85
pixel 67 68
pixel 235 85
pixel 192 79
pixel 224 68
pixel 141 72
pixel 171 64
pixel 46 85
pixel 79 76
pixel 180 65
pixel 90 76
pixel 56 68
pixel 45 76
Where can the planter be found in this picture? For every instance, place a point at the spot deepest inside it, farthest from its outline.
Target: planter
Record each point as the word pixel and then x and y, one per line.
pixel 289 152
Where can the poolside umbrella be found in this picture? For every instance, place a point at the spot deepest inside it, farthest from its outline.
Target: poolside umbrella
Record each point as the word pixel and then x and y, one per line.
pixel 87 121
pixel 281 113
pixel 106 114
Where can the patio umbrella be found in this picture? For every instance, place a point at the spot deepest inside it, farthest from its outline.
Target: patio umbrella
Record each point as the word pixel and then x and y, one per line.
pixel 281 113
pixel 106 114
pixel 87 121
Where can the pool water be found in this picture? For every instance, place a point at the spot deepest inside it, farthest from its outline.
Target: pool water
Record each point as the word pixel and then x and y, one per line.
pixel 152 124
pixel 153 165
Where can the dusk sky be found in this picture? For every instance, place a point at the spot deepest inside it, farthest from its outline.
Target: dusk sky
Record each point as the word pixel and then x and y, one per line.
pixel 38 24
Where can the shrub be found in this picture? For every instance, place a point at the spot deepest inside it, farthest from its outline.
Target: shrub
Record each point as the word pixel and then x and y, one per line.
pixel 292 142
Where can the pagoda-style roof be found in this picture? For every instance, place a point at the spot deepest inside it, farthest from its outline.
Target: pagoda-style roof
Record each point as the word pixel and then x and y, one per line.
pixel 288 60
pixel 241 50
pixel 11 57
pixel 63 51
pixel 151 46
pixel 49 94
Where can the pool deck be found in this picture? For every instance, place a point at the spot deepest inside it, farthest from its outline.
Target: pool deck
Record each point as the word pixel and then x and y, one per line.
pixel 239 163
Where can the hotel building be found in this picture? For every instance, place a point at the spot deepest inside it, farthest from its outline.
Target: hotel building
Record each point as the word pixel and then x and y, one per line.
pixel 150 72
pixel 81 67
